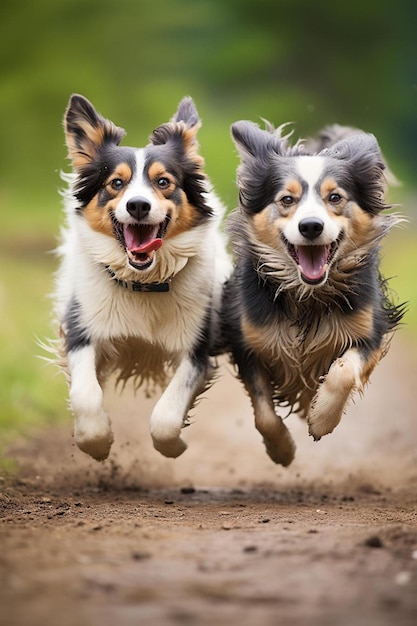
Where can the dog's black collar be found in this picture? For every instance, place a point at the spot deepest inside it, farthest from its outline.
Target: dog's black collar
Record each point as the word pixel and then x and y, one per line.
pixel 133 285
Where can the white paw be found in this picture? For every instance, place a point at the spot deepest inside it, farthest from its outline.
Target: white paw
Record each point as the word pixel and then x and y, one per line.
pixel 324 416
pixel 328 405
pixel 93 435
pixel 171 448
pixel 165 431
pixel 92 428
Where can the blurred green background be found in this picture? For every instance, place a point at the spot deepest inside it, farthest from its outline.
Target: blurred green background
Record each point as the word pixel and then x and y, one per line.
pixel 310 63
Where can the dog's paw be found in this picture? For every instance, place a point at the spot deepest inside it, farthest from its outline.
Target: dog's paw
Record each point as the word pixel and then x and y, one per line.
pixel 166 430
pixel 278 442
pixel 171 448
pixel 321 425
pixel 329 403
pixel 92 428
pixel 94 436
pixel 325 412
pixel 281 449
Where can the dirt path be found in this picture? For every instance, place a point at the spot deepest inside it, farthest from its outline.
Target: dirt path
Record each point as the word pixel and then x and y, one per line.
pixel 220 535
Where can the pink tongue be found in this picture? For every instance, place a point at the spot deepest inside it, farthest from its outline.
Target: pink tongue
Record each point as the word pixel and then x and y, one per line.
pixel 312 260
pixel 155 244
pixel 141 239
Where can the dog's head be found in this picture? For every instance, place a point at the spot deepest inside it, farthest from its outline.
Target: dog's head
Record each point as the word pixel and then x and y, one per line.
pixel 311 211
pixel 140 197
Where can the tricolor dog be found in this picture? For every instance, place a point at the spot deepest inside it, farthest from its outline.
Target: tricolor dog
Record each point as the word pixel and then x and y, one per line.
pixel 142 266
pixel 306 314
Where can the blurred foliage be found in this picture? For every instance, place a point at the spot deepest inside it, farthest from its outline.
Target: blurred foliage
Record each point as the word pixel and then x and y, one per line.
pixel 310 63
pixel 399 265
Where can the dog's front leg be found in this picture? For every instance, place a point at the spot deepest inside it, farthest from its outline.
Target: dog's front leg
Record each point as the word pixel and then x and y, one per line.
pixel 170 412
pixel 346 375
pixel 92 429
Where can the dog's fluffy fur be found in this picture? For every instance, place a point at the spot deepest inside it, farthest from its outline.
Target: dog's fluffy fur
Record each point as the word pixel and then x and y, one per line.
pixel 306 315
pixel 142 267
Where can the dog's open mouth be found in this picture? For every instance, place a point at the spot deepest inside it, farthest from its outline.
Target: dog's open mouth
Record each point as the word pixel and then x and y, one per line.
pixel 313 261
pixel 141 241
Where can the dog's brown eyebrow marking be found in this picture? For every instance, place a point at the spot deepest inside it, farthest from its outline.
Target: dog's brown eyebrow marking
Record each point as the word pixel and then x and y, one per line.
pixel 157 169
pixel 123 171
pixel 293 187
pixel 327 186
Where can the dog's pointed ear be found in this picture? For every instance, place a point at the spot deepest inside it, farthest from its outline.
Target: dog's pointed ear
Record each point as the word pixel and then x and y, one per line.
pixel 259 151
pixel 252 141
pixel 187 113
pixel 247 137
pixel 86 131
pixel 181 130
pixel 361 152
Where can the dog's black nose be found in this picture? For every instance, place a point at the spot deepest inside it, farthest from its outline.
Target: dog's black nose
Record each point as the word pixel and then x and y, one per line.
pixel 311 227
pixel 138 207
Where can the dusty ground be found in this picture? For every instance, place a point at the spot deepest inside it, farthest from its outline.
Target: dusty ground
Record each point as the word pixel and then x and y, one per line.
pixel 220 535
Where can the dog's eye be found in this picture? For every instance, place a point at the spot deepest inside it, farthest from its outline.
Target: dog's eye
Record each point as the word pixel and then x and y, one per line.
pixel 335 198
pixel 163 182
pixel 287 200
pixel 116 184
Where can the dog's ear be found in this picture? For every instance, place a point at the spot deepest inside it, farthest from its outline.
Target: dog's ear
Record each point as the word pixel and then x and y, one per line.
pixel 180 136
pixel 361 152
pixel 252 141
pixel 359 148
pixel 248 137
pixel 87 131
pixel 181 131
pixel 187 113
pixel 260 152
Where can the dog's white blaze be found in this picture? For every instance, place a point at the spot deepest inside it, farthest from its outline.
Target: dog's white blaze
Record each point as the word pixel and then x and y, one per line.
pixel 310 170
pixel 139 186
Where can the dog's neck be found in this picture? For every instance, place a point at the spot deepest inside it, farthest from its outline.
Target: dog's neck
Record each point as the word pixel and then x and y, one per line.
pixel 136 286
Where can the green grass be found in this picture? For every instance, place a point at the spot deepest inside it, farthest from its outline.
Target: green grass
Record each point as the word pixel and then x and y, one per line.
pixel 399 264
pixel 32 392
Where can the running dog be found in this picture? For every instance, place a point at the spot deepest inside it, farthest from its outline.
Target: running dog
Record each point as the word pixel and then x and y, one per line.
pixel 306 313
pixel 141 273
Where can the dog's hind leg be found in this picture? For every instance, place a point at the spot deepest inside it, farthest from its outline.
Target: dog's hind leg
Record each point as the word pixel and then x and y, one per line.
pixel 92 429
pixel 277 439
pixel 171 410
pixel 347 374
